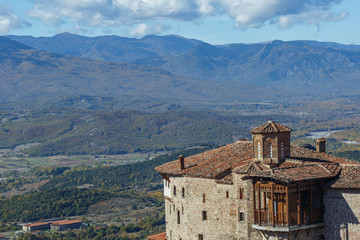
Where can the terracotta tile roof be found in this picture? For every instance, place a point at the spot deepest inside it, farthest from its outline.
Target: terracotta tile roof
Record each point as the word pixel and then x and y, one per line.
pixel 299 172
pixel 65 222
pixel 250 167
pixel 37 224
pixel 221 163
pixel 225 180
pixel 159 236
pixel 213 163
pixel 348 178
pixel 304 154
pixel 271 127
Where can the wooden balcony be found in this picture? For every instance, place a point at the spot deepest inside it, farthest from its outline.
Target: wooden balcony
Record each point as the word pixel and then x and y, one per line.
pixel 285 208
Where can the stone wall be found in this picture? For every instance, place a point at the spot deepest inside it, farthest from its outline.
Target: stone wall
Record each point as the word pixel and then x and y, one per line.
pixel 222 205
pixel 229 213
pixel 342 214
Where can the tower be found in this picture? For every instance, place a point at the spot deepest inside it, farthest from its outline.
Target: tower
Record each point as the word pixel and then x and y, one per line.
pixel 271 142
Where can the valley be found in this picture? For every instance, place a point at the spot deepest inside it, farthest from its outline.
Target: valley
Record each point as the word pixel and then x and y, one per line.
pixel 82 128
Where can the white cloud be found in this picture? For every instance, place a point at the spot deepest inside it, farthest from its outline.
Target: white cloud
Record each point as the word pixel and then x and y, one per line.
pixel 9 21
pixel 142 29
pixel 284 13
pixel 138 13
pixel 311 17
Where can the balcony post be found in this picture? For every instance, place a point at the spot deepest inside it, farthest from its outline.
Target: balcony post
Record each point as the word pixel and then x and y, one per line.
pixel 311 201
pixel 259 203
pixel 288 206
pixel 272 204
pixel 254 203
pixel 298 204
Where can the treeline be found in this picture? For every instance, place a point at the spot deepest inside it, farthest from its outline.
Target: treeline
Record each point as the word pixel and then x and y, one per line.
pixel 91 132
pixel 71 132
pixel 133 231
pixel 118 177
pixel 60 198
pixel 50 204
pixel 13 178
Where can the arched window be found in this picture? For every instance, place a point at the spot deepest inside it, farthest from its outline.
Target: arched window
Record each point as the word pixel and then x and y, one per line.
pixel 270 151
pixel 183 192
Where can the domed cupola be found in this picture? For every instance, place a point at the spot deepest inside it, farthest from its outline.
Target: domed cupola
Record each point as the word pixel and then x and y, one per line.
pixel 271 142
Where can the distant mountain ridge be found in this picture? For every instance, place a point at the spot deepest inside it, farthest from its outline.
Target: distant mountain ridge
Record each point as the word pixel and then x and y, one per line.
pixel 277 64
pixel 27 74
pixel 304 68
pixel 109 48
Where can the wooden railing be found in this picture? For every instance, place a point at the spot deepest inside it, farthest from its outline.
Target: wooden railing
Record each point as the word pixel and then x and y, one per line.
pixel 267 218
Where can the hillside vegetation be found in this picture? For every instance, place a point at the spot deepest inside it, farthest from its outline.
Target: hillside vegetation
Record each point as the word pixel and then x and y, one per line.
pixel 61 197
pixel 88 132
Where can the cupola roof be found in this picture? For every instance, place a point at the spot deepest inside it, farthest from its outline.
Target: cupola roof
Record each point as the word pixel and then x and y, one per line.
pixel 271 127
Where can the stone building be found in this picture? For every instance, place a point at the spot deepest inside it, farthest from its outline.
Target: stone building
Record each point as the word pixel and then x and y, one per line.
pixel 262 189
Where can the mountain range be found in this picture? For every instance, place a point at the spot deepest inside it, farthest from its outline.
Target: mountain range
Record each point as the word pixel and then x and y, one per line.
pixel 174 69
pixel 109 48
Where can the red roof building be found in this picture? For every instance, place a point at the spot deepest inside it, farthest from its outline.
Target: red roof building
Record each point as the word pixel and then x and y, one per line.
pixel 53 225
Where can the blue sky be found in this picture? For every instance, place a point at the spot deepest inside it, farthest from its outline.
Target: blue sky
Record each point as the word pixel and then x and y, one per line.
pixel 213 21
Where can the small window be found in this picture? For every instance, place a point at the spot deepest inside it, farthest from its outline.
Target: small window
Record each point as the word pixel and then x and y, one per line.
pixel 241 216
pixel 204 215
pixel 259 150
pixel 201 237
pixel 178 217
pixel 170 209
pixel 270 151
pixel 282 150
pixel 241 191
pixel 203 197
pixel 182 209
pixel 183 192
pixel 227 194
pixel 174 191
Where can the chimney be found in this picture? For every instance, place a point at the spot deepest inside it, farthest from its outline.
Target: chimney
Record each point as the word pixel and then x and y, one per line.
pixel 320 144
pixel 181 162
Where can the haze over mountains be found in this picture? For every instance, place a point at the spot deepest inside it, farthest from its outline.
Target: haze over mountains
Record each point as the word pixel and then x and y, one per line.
pixel 174 69
pixel 109 48
pixel 27 73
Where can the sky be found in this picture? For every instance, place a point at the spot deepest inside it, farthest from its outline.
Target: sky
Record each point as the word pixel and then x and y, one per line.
pixel 212 21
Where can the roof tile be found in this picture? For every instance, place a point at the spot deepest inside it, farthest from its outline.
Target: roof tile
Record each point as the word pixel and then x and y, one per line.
pixel 271 127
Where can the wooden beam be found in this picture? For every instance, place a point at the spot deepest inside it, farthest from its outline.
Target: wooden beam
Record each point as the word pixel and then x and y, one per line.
pixel 272 204
pixel 254 202
pixel 259 205
pixel 311 201
pixel 298 205
pixel 288 207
